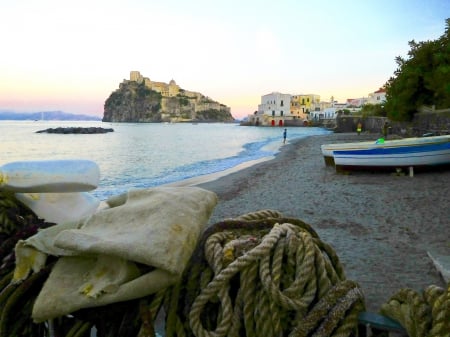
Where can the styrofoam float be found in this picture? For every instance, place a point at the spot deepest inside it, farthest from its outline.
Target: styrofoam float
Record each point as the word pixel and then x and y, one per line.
pixel 49 176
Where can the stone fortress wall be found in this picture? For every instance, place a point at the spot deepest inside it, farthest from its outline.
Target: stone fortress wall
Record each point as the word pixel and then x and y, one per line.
pixel 198 101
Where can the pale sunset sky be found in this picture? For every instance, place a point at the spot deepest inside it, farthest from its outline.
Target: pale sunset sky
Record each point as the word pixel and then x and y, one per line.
pixel 70 55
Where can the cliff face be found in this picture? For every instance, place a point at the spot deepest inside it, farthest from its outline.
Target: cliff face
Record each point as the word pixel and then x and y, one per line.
pixel 134 102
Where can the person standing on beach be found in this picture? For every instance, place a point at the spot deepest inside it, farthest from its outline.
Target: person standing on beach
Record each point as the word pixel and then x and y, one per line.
pixel 284 136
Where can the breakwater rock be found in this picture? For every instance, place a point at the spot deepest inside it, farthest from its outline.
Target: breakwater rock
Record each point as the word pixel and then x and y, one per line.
pixel 77 130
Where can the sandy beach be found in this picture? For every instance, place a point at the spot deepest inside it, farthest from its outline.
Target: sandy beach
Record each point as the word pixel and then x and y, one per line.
pixel 382 225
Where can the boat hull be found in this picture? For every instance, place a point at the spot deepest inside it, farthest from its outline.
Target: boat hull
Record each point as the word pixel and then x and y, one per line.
pixel 407 152
pixel 404 156
pixel 327 149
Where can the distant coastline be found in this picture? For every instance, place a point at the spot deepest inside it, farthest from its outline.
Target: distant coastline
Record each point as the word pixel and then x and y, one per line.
pixel 46 116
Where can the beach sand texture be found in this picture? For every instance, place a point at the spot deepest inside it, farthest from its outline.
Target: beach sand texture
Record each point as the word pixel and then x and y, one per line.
pixel 381 225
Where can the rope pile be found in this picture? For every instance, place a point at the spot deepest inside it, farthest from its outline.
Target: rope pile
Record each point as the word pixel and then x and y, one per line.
pixel 422 315
pixel 264 275
pixel 257 275
pixel 17 222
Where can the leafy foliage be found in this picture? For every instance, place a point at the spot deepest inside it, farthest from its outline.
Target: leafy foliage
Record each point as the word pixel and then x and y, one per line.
pixel 373 110
pixel 212 114
pixel 345 112
pixel 421 79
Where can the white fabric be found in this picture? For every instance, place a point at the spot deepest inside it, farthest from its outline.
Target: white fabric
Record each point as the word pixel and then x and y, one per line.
pixel 60 207
pixel 31 254
pixel 157 227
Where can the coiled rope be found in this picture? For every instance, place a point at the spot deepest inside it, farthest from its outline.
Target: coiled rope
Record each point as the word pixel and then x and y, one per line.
pixel 422 315
pixel 256 275
pixel 263 276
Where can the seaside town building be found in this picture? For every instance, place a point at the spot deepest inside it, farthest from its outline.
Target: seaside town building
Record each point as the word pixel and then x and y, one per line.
pixel 305 108
pixel 302 105
pixel 377 97
pixel 286 110
pixel 275 109
pixel 356 102
pixel 327 110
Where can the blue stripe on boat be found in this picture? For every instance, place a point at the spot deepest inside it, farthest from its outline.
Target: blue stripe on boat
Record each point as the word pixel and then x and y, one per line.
pixel 394 150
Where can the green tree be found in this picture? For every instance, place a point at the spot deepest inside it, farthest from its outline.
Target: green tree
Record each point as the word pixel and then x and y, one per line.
pixel 421 79
pixel 373 110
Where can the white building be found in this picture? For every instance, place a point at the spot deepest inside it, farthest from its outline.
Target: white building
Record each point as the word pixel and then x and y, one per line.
pixel 277 109
pixel 327 113
pixel 273 110
pixel 275 104
pixel 377 97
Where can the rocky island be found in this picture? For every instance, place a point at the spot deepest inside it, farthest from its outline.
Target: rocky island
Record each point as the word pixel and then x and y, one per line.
pixel 76 130
pixel 140 100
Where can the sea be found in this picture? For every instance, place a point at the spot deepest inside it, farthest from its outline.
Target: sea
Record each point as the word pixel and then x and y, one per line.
pixel 142 155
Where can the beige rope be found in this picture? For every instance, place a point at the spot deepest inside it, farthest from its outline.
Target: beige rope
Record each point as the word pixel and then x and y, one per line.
pixel 262 214
pixel 263 282
pixel 422 315
pixel 257 275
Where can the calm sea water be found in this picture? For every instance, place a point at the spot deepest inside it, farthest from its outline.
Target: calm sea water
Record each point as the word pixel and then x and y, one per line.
pixel 146 155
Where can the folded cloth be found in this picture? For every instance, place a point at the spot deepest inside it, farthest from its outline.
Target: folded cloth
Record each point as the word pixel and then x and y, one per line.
pixel 157 227
pixel 31 254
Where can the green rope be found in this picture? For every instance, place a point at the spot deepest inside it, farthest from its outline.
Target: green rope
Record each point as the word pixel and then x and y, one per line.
pixel 22 293
pixel 257 275
pixel 422 315
pixel 260 277
pixel 440 311
pixel 79 329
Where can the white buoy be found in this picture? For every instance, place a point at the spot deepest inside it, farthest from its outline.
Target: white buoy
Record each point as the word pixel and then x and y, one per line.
pixel 50 176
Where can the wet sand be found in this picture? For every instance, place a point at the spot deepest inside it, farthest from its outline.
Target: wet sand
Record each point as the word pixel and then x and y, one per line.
pixel 381 225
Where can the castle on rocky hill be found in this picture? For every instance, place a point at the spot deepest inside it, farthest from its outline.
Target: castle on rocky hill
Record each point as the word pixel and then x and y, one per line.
pixel 172 89
pixel 140 99
pixel 166 90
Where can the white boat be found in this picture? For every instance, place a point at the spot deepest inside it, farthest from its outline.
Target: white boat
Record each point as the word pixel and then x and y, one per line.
pixel 328 149
pixel 397 153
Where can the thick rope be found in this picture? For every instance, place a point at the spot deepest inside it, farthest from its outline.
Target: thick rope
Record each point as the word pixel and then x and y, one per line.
pixel 256 275
pixel 261 276
pixel 422 315
pixel 262 214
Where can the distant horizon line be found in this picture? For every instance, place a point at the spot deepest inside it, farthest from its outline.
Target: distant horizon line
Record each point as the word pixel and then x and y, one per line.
pixel 50 114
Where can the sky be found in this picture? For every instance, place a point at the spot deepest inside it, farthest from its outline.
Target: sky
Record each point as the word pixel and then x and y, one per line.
pixel 71 55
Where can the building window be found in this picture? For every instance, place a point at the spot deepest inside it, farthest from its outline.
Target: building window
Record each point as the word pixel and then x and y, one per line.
pixel 281 103
pixel 273 113
pixel 281 113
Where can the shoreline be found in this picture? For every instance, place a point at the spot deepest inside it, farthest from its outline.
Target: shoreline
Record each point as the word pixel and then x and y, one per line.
pixel 206 178
pixel 383 226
